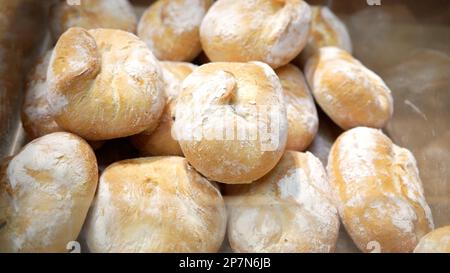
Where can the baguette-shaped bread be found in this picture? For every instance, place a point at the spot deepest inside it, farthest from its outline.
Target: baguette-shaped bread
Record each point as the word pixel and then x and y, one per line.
pixel 437 241
pixel 288 210
pixel 156 204
pixel 347 91
pixel 303 121
pixel 378 190
pixel 45 193
pixel 326 30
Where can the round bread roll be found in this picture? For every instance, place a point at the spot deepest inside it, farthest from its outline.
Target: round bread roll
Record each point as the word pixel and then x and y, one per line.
pixel 104 84
pixel 288 210
pixel 437 241
pixel 170 28
pixel 326 30
pixel 379 192
pixel 303 121
pixel 231 121
pixel 160 140
pixel 45 193
pixel 347 91
pixel 271 31
pixel 90 14
pixel 37 118
pixel 157 204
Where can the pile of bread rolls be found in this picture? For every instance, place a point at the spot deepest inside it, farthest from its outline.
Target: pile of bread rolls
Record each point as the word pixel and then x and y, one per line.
pixel 222 141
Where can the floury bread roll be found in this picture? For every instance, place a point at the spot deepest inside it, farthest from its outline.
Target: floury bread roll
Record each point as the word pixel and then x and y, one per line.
pixel 347 91
pixel 231 121
pixel 160 140
pixel 288 210
pixel 90 14
pixel 326 30
pixel 380 196
pixel 437 241
pixel 37 118
pixel 158 204
pixel 271 31
pixel 171 28
pixel 303 121
pixel 45 193
pixel 104 84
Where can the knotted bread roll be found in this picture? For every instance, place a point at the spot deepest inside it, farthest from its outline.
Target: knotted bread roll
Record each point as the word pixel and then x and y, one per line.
pixel 288 210
pixel 156 204
pixel 170 28
pixel 104 84
pixel 379 192
pixel 45 193
pixel 90 14
pixel 271 31
pixel 303 121
pixel 231 121
pixel 160 140
pixel 347 91
pixel 437 241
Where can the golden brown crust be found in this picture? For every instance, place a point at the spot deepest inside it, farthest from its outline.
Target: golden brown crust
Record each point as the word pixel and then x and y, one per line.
pixel 171 28
pixel 326 30
pixel 157 204
pixel 288 210
pixel 437 241
pixel 90 14
pixel 95 97
pixel 231 121
pixel 46 192
pixel 270 31
pixel 160 141
pixel 303 121
pixel 347 91
pixel 379 192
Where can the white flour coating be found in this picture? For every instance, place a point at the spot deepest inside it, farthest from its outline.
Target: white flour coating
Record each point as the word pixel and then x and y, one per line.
pixel 139 205
pixel 410 181
pixel 293 26
pixel 49 169
pixel 296 184
pixel 222 22
pixel 342 35
pixel 185 17
pixel 180 17
pixel 119 9
pixel 356 156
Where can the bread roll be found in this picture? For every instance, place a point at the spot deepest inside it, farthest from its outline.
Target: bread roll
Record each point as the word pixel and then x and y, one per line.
pixel 288 210
pixel 160 140
pixel 45 194
pixel 90 14
pixel 379 192
pixel 437 241
pixel 271 31
pixel 170 28
pixel 303 121
pixel 347 91
pixel 37 118
pixel 326 30
pixel 104 84
pixel 231 121
pixel 157 204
